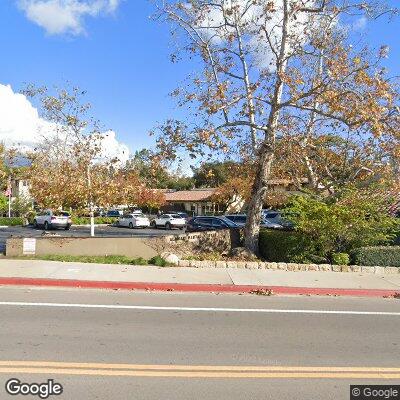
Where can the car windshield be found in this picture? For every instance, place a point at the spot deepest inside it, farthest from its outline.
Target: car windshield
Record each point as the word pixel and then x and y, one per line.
pixel 229 222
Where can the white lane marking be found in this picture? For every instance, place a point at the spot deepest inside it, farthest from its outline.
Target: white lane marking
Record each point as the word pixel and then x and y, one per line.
pixel 196 309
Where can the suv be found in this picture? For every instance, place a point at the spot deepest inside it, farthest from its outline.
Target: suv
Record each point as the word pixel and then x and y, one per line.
pixel 182 214
pixel 53 219
pixel 198 224
pixel 169 221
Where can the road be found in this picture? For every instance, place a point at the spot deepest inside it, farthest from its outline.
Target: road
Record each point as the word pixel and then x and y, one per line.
pixel 201 346
pixel 83 231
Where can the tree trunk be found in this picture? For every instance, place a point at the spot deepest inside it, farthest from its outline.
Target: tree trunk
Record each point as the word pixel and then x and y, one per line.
pixel 258 192
pixel 266 152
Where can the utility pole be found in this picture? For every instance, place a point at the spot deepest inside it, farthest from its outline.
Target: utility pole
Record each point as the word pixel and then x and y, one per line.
pixel 8 193
pixel 90 201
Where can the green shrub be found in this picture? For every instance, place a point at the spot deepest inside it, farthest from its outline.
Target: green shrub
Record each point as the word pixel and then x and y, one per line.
pixel 285 246
pixel 158 261
pixel 15 221
pixel 95 259
pixel 340 259
pixel 97 220
pixel 339 225
pixel 384 256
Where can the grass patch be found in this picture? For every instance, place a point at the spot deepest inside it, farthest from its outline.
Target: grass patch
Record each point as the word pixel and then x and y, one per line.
pixel 122 260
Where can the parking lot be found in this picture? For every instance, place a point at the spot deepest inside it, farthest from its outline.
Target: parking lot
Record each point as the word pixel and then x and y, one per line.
pixel 82 231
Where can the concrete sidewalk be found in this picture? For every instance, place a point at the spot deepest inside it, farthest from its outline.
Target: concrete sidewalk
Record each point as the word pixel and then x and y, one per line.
pixel 51 271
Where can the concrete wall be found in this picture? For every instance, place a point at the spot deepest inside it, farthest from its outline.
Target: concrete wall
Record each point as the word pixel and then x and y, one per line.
pixel 182 245
pixel 130 247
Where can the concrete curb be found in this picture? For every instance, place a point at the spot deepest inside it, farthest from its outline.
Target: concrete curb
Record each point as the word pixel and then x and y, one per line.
pixel 208 288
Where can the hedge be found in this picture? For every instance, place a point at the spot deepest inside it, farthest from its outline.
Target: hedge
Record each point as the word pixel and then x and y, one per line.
pixel 285 246
pixel 15 221
pixel 97 220
pixel 383 256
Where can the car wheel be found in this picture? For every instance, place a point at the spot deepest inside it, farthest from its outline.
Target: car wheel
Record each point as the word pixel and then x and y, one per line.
pixel 168 226
pixel 46 226
pixel 68 227
pixel 35 224
pixel 182 228
pixel 130 225
pixel 153 224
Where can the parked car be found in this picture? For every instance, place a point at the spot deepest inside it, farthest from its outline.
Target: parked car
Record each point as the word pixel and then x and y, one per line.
pixel 114 213
pixel 49 219
pixel 169 221
pixel 182 214
pixel 134 220
pixel 276 217
pixel 198 224
pixel 240 219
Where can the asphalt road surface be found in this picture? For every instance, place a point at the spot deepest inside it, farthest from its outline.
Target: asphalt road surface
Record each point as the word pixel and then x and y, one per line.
pixel 83 231
pixel 131 345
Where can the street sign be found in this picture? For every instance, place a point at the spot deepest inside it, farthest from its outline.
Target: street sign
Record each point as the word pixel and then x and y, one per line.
pixel 29 246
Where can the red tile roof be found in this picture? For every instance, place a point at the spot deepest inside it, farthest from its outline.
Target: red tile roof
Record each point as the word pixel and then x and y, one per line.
pixel 190 195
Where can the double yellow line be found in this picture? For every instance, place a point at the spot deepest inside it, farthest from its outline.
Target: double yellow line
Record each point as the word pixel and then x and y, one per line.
pixel 195 371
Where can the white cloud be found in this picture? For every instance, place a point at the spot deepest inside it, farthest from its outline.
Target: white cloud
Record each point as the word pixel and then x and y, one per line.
pixel 210 25
pixel 360 24
pixel 65 16
pixel 22 127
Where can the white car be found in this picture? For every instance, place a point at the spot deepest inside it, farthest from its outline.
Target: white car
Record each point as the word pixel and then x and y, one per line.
pixel 169 221
pixel 134 220
pixel 53 219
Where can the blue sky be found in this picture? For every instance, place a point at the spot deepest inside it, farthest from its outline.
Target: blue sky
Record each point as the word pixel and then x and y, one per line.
pixel 122 59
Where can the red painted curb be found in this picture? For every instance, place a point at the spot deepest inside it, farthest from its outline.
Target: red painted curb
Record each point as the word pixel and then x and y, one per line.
pixel 190 287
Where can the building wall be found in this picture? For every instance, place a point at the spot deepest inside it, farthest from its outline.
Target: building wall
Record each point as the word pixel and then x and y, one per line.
pixel 195 208
pixel 20 188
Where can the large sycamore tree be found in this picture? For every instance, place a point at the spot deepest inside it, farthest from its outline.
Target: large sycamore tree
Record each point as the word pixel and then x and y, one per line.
pixel 274 70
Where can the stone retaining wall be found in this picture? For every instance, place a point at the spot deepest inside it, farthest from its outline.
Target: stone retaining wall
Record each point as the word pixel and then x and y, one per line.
pixel 288 266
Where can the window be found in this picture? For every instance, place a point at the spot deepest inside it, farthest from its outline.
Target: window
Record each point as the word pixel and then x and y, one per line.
pixel 139 216
pixel 61 214
pixel 204 221
pixel 271 215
